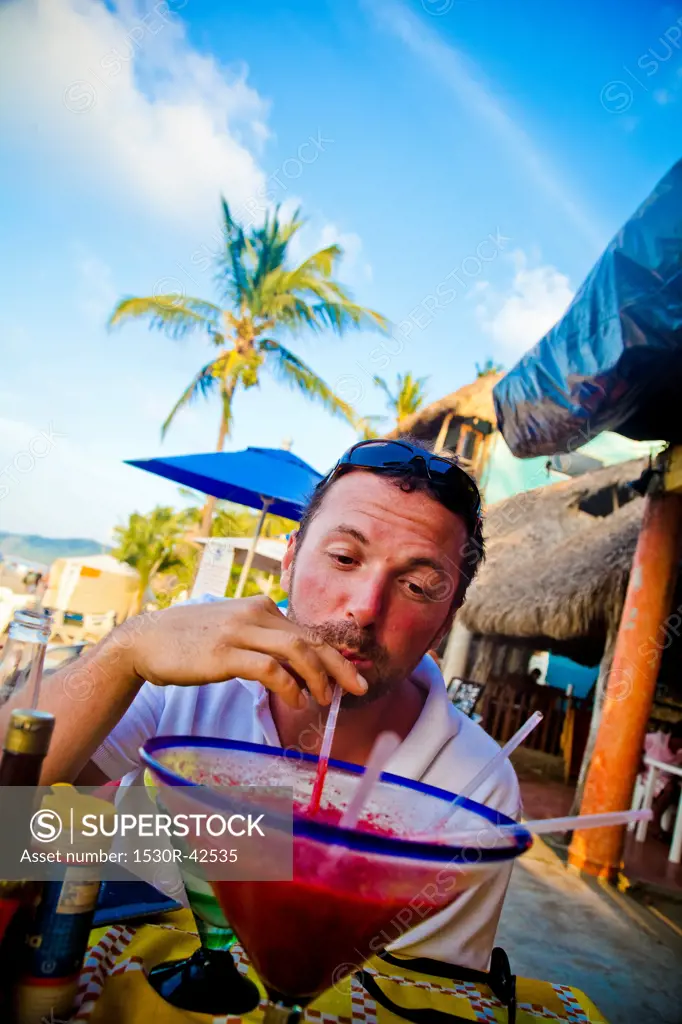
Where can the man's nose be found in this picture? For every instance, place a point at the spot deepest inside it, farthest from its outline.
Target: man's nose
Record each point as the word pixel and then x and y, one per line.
pixel 366 600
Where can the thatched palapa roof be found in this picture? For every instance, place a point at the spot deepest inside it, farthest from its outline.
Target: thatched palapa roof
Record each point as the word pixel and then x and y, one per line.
pixel 473 401
pixel 555 576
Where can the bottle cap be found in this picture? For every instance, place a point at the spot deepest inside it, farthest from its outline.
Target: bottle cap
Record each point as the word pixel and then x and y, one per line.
pixel 29 732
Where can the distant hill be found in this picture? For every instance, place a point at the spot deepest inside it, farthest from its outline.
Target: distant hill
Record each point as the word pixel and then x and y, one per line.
pixel 44 550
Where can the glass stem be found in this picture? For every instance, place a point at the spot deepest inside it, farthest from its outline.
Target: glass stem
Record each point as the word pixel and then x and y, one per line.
pixel 213 937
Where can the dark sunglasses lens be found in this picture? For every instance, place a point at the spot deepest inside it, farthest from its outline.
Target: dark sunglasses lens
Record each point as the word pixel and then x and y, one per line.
pixel 440 468
pixel 380 455
pixel 455 482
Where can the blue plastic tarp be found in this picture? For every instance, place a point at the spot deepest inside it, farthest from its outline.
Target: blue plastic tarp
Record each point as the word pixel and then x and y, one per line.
pixel 614 362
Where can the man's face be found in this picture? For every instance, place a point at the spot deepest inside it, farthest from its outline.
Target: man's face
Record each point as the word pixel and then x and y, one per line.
pixel 375 576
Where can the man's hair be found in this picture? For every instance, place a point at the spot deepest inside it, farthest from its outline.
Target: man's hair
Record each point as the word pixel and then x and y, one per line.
pixel 472 552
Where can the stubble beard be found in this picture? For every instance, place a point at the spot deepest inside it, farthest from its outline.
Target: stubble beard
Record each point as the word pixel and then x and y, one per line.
pixel 346 635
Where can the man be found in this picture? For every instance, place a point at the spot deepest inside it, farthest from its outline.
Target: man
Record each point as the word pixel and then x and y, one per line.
pixel 375 574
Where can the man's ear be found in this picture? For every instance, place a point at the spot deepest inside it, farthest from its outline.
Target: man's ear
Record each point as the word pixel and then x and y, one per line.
pixel 287 561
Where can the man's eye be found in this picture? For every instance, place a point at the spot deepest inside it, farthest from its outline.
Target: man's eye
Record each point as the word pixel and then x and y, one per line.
pixel 342 559
pixel 415 589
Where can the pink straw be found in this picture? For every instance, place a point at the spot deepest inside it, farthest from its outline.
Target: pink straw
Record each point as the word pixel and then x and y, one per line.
pixel 325 751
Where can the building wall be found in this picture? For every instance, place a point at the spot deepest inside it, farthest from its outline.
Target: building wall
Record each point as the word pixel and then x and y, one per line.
pixel 505 475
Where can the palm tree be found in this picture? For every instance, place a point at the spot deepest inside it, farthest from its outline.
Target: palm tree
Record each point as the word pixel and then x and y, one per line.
pixel 261 296
pixel 231 520
pixel 408 397
pixel 151 544
pixel 488 369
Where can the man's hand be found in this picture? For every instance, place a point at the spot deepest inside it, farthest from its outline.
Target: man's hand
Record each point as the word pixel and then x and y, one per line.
pixel 249 637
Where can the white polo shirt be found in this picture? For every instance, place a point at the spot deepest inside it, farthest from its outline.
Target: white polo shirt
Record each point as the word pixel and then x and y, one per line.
pixel 444 748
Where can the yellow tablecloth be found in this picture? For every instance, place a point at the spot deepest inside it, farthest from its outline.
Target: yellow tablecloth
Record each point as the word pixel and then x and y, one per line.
pixel 114 989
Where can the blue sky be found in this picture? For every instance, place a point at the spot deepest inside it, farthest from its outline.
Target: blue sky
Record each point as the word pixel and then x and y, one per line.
pixel 415 133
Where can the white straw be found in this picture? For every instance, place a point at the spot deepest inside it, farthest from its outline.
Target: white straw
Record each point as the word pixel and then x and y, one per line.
pixel 545 825
pixel 330 726
pixel 487 769
pixel 385 746
pixel 500 757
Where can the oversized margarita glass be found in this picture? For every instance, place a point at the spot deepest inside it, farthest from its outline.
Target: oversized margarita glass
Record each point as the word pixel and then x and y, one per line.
pixel 353 891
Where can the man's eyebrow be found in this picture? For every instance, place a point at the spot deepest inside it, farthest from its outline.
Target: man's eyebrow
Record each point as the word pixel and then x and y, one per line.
pixel 351 531
pixel 430 563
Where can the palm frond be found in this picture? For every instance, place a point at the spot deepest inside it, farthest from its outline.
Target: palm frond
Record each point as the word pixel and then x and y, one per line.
pixel 381 383
pixel 175 315
pixel 231 274
pixel 289 369
pixel 321 262
pixel 367 425
pixel 202 385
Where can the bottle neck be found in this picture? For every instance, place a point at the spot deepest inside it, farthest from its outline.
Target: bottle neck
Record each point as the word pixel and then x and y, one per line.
pixel 31 626
pixel 21 665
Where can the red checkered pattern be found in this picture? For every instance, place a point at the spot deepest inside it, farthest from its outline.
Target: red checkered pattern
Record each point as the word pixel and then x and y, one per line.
pixel 574 1011
pixel 98 964
pixel 326 1018
pixel 483 1006
pixel 133 963
pixel 363 1007
pixel 535 1010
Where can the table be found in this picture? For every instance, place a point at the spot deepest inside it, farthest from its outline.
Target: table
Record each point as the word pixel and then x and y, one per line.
pixel 675 855
pixel 113 986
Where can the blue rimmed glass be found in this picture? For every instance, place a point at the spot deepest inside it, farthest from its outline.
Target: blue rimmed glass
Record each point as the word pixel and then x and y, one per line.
pixel 354 891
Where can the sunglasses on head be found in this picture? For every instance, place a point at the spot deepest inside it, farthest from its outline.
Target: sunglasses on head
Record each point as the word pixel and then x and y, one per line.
pixel 452 486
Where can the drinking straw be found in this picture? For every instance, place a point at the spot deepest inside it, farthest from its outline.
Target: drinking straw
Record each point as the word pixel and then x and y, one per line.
pixel 325 750
pixel 384 747
pixel 487 769
pixel 570 823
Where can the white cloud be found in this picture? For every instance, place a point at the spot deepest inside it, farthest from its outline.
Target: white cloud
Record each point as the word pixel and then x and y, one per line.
pixel 354 266
pixel 537 299
pixel 122 100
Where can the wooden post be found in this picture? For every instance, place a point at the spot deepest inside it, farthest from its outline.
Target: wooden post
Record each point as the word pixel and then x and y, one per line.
pixel 632 684
pixel 443 432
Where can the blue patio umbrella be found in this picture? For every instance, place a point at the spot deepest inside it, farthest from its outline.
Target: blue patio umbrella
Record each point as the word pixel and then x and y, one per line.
pixel 270 479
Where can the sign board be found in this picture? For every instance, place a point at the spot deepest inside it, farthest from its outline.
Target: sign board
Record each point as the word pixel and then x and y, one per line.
pixel 213 575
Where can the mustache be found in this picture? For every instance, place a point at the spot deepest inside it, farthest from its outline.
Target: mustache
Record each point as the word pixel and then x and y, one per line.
pixel 346 636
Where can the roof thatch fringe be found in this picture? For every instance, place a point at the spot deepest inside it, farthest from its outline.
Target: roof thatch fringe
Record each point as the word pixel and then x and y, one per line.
pixel 554 574
pixel 473 401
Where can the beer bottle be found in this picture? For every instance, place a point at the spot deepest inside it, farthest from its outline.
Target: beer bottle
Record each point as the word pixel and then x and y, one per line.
pixel 26 743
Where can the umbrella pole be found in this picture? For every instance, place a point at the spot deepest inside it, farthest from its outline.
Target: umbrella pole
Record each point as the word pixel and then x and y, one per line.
pixel 248 561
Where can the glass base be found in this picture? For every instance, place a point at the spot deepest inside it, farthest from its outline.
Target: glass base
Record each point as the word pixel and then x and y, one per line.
pixel 206 982
pixel 282 1013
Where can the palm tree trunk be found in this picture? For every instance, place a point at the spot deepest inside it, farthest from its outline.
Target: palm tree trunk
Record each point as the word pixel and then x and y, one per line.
pixel 209 507
pixel 141 591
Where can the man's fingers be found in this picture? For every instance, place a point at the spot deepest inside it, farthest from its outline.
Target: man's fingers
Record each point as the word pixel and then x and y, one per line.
pixel 342 670
pixel 289 647
pixel 335 665
pixel 266 669
pixel 317 665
